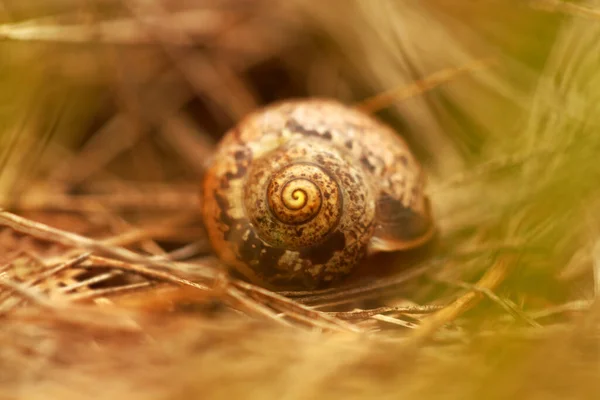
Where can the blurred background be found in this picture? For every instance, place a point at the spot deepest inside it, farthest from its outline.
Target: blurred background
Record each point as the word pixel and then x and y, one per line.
pixel 109 114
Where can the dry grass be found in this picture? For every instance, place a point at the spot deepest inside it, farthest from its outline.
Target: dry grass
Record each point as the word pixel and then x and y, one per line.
pixel 108 116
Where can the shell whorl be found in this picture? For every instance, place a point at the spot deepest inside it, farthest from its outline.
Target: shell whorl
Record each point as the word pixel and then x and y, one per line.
pixel 293 197
pixel 294 203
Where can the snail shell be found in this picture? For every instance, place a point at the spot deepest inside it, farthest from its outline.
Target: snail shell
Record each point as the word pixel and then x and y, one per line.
pixel 300 191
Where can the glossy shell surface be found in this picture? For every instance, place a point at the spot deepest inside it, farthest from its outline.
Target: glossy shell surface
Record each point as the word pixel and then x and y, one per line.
pixel 300 191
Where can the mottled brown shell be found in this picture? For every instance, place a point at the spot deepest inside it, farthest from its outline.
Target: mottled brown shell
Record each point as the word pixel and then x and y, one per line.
pixel 300 191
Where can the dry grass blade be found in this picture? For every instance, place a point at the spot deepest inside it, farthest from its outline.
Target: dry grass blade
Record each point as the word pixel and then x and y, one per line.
pixel 491 279
pixel 342 295
pixel 365 314
pixel 59 268
pixel 256 308
pixel 202 75
pixel 69 239
pixel 118 135
pixel 488 167
pixel 394 321
pixel 506 305
pixel 240 292
pixel 385 99
pixel 293 309
pixel 573 306
pixel 109 292
pixel 567 8
pixel 185 252
pixel 91 281
pixel 173 199
pixel 42 231
pixel 102 262
pixel 28 293
pixel 200 24
pixel 192 144
pixel 46 275
pixel 87 317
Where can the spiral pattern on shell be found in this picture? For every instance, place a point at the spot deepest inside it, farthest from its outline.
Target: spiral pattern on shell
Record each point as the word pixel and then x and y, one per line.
pixel 298 193
pixel 293 198
pixel 301 203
